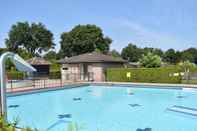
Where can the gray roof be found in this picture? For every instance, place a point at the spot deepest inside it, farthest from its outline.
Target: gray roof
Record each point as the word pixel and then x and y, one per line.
pixel 93 57
pixel 38 61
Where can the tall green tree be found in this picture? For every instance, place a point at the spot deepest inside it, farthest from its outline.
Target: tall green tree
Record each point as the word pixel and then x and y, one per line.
pixel 171 56
pixel 83 39
pixel 34 37
pixel 150 60
pixel 51 56
pixel 131 53
pixel 2 50
pixel 155 51
pixel 190 55
pixel 115 53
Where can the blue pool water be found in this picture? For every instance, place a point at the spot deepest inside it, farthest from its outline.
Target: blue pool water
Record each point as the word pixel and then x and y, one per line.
pixel 102 108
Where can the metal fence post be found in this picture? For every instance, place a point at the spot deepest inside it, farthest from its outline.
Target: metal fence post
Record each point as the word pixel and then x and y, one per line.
pixel 44 83
pixel 11 84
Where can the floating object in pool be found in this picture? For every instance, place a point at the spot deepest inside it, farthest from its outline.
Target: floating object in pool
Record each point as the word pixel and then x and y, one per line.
pixel 77 99
pixel 134 105
pixel 13 106
pixel 146 129
pixel 64 116
pixel 180 96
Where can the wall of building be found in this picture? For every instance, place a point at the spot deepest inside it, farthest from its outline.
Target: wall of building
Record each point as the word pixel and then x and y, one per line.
pixel 94 71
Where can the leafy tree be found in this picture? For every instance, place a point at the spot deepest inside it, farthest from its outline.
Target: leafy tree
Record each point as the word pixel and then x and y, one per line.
pixel 51 56
pixel 150 60
pixel 115 53
pixel 24 54
pixel 172 57
pixel 131 53
pixel 2 50
pixel 35 38
pixel 190 55
pixel 155 51
pixel 83 39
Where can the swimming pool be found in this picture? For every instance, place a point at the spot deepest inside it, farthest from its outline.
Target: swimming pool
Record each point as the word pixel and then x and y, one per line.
pixel 105 108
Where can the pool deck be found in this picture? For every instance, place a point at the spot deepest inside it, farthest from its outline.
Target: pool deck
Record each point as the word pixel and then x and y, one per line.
pixel 144 84
pixel 31 90
pixel 28 90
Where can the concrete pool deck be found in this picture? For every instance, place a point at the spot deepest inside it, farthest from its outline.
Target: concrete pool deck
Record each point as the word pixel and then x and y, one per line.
pixel 144 84
pixel 28 90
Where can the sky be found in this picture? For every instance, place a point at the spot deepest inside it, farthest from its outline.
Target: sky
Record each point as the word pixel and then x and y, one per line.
pixel 154 23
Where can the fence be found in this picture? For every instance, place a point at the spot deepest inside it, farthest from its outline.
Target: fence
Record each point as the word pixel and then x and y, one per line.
pixel 17 81
pixel 190 78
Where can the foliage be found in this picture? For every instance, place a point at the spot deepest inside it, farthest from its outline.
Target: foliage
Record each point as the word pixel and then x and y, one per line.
pixel 50 56
pixel 15 75
pixel 131 53
pixel 5 126
pixel 34 38
pixel 186 65
pixel 115 53
pixel 82 39
pixel 150 61
pixel 148 75
pixel 172 56
pixel 55 75
pixel 24 54
pixel 2 50
pixel 155 51
pixel 55 67
pixel 190 55
pixel 75 127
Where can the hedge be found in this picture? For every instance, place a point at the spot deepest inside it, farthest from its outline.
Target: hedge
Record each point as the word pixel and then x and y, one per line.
pixel 146 75
pixel 55 75
pixel 15 75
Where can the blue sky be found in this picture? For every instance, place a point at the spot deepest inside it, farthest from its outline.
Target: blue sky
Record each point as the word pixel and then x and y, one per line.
pixel 154 23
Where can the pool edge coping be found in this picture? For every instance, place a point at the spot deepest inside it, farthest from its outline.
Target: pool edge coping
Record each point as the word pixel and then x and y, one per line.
pixel 40 90
pixel 81 84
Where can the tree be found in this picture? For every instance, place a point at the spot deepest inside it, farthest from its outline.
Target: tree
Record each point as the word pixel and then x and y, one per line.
pixel 51 56
pixel 150 61
pixel 155 51
pixel 115 53
pixel 172 57
pixel 82 39
pixel 131 53
pixel 2 50
pixel 34 38
pixel 190 55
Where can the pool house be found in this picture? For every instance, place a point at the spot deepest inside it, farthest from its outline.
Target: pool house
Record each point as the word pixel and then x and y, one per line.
pixel 89 66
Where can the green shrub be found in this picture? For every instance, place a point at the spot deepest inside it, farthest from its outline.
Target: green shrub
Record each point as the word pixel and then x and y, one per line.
pixel 55 75
pixel 5 126
pixel 15 75
pixel 147 75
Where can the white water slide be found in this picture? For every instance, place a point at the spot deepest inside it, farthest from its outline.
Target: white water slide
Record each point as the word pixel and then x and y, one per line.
pixel 21 65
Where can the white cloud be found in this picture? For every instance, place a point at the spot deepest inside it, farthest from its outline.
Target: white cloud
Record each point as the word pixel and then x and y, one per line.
pixel 144 36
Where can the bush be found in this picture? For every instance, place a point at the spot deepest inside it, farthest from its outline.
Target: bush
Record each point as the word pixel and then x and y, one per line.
pixel 150 61
pixel 55 75
pixel 147 75
pixel 15 75
pixel 5 126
